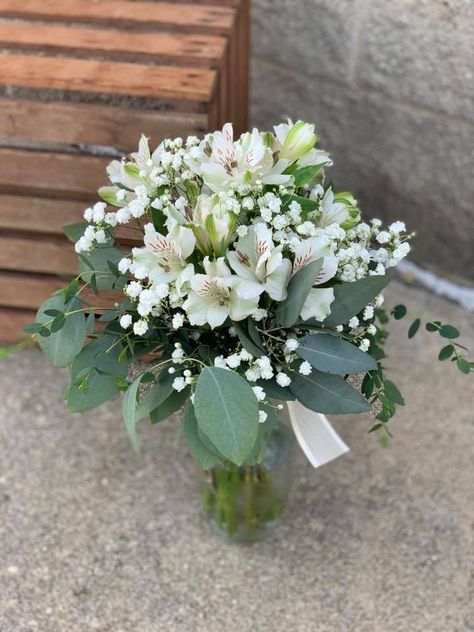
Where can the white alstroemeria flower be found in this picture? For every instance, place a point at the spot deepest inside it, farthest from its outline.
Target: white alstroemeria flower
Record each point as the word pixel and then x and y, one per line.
pixel 242 162
pixel 261 264
pixel 163 259
pixel 318 302
pixel 214 296
pixel 296 139
pixel 331 212
pixel 296 142
pixel 212 223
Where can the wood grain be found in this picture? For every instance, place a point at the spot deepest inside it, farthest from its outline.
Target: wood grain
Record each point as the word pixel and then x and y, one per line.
pixel 175 48
pixel 43 174
pixel 87 124
pixel 184 17
pixel 12 322
pixel 49 256
pixel 108 77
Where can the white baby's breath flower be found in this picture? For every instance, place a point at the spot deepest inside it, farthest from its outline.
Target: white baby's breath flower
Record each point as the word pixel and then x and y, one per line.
pixel 368 312
pixel 259 393
pixel 305 368
pixel 242 230
pixel 140 327
pixel 291 345
pixel 283 379
pixel 100 237
pixel 383 237
pixel 364 344
pixel 234 360
pixel 133 289
pixel 124 265
pixel 177 355
pixel 220 362
pixel 372 330
pixel 125 321
pixel 178 321
pixel 397 227
pixel 354 322
pixel 179 384
pixel 89 214
pixel 245 356
pixel 262 416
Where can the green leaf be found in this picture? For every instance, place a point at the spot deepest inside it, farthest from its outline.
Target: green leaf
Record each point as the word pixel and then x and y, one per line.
pixel 75 231
pixel 245 340
pixel 307 205
pixel 446 352
pixel 274 391
pixel 329 394
pixel 129 412
pixel 227 412
pixel 97 261
pixel 399 311
pixel 174 402
pixel 62 346
pixel 330 354
pixel 351 298
pixel 414 327
pixel 463 365
pixel 100 386
pixel 157 394
pixel 288 311
pixel 33 328
pixel 305 175
pixel 448 331
pixel 199 452
pixel 392 392
pixel 253 333
pixel 434 326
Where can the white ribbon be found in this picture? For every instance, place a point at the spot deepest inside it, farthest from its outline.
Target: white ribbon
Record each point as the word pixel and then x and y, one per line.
pixel 317 438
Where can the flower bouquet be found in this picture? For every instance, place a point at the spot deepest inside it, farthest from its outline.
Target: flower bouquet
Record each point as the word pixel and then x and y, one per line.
pixel 230 278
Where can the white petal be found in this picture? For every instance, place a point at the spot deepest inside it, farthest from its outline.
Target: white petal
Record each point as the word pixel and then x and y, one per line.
pixel 328 270
pixel 318 304
pixel 277 281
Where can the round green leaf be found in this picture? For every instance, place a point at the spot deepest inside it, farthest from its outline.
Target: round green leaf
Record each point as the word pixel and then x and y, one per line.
pixel 330 354
pixel 329 394
pixel 446 352
pixel 448 331
pixel 63 345
pixel 227 412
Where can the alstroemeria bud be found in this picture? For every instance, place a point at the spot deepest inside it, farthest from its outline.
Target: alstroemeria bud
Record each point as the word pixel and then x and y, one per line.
pixel 299 140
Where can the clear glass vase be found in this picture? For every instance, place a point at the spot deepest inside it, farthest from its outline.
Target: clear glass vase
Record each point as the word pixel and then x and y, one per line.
pixel 244 504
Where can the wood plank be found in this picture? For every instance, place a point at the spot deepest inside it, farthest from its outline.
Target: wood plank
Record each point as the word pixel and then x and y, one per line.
pixel 87 124
pixel 43 174
pixel 175 48
pixel 28 291
pixel 25 255
pixel 40 215
pixel 12 322
pixel 108 77
pixel 184 17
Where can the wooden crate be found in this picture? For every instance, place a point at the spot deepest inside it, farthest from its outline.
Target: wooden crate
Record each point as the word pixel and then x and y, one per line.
pixel 79 83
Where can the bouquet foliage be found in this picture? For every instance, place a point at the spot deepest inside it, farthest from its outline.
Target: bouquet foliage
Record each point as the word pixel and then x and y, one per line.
pixel 242 278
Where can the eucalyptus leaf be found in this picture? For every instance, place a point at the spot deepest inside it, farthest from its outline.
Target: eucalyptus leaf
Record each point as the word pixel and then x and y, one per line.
pixel 274 391
pixel 227 412
pixel 328 394
pixel 199 452
pixel 305 175
pixel 351 298
pixel 75 231
pixel 171 405
pixel 63 345
pixel 129 412
pixel 247 343
pixel 101 354
pixel 97 262
pixel 330 354
pixel 157 394
pixel 307 205
pixel 288 311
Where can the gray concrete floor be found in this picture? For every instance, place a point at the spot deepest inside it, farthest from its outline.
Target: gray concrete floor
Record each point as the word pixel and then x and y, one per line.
pixel 92 538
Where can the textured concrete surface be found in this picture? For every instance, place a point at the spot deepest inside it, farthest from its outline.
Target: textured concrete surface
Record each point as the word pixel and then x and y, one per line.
pixel 381 540
pixel 390 87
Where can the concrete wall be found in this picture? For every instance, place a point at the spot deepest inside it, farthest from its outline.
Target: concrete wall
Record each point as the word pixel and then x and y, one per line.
pixel 390 87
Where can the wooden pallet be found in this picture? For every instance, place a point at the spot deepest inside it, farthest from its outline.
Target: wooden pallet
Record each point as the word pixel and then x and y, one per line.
pixel 77 77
